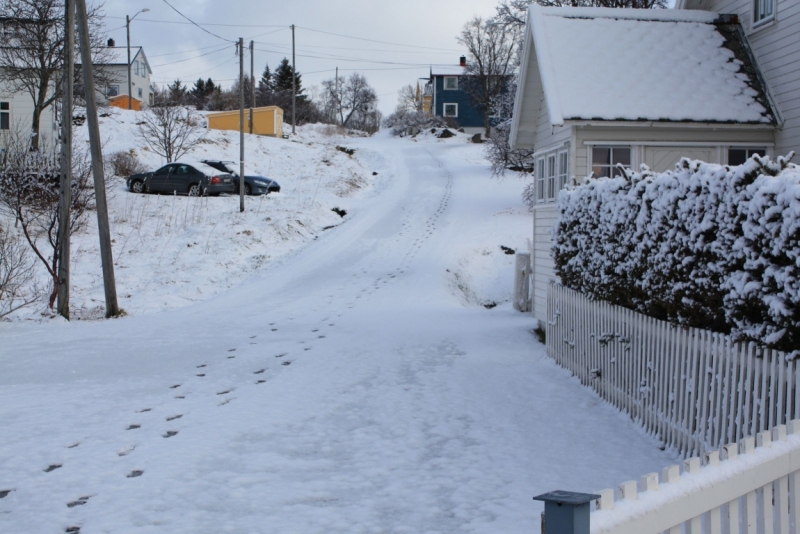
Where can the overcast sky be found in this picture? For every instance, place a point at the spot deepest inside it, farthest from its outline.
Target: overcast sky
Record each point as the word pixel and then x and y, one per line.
pixel 421 33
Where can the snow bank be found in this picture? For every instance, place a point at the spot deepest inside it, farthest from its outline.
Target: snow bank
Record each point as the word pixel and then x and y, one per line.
pixel 705 245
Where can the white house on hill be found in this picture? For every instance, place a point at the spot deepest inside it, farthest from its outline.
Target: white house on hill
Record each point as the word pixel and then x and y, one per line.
pixel 600 87
pixel 116 68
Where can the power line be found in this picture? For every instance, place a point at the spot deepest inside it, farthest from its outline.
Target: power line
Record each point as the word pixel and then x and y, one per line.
pixel 224 47
pixel 204 24
pixel 183 51
pixel 356 60
pixel 196 24
pixel 374 41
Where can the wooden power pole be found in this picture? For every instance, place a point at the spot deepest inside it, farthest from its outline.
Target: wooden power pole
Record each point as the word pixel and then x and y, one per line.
pixel 241 124
pixel 65 186
pixel 109 284
pixel 294 85
pixel 252 85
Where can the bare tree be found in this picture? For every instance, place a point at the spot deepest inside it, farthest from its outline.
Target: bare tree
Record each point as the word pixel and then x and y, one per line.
pixel 491 62
pixel 18 286
pixel 408 100
pixel 352 99
pixel 32 54
pixel 170 131
pixel 29 192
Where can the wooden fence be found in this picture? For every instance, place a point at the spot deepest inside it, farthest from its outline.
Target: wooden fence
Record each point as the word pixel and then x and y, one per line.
pixel 693 389
pixel 749 487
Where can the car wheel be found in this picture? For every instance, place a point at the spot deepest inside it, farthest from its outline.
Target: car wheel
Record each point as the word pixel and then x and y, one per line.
pixel 247 189
pixel 194 190
pixel 137 186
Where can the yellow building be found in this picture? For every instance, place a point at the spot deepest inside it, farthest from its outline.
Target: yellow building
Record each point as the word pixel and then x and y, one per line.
pixel 265 121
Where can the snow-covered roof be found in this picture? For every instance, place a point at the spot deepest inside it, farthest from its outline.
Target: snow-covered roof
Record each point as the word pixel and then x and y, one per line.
pixel 447 70
pixel 641 64
pixel 118 55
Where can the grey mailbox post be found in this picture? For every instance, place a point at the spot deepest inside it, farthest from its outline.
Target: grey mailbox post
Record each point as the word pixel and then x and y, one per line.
pixel 566 512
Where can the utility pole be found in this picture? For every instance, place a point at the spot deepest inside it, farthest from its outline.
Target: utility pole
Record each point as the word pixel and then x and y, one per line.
pixel 241 124
pixel 65 189
pixel 109 285
pixel 338 96
pixel 294 84
pixel 128 30
pixel 252 86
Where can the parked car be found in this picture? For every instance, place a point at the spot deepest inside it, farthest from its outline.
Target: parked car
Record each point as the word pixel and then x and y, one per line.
pixel 253 184
pixel 190 178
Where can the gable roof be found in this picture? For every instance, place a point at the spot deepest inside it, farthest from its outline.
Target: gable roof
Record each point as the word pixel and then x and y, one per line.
pixel 447 70
pixel 605 64
pixel 118 55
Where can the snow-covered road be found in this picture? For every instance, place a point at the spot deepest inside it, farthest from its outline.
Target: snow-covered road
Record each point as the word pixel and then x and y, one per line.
pixel 346 388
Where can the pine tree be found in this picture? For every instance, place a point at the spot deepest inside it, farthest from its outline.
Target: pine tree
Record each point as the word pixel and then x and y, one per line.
pixel 265 88
pixel 282 79
pixel 199 89
pixel 210 87
pixel 176 91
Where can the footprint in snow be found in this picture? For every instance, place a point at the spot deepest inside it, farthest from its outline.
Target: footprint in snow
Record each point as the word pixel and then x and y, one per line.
pixel 180 396
pixel 281 355
pixel 231 350
pixel 4 493
pixel 260 381
pixel 176 386
pixel 135 473
pixel 224 392
pixel 253 337
pixel 201 375
pixel 286 363
pixel 74 445
pixel 173 417
pixel 223 403
pixel 126 452
pixel 231 357
pixel 170 433
pixel 201 366
pixel 72 530
pixel 133 427
pixel 260 371
pixel 52 467
pixel 144 410
pixel 274 329
pixel 79 502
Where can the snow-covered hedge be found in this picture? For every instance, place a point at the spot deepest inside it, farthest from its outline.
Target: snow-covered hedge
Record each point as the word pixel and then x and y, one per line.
pixel 401 121
pixel 705 245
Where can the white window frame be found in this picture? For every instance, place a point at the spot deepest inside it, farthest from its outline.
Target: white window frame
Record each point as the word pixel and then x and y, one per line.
pixel 108 90
pixel 563 169
pixel 141 93
pixel 444 110
pixel 552 171
pixel 612 147
pixel 540 175
pixel 763 12
pixel 749 151
pixel 136 67
pixel 455 83
pixel 7 113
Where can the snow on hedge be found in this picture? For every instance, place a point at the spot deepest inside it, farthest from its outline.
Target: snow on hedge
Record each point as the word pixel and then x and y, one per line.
pixel 705 245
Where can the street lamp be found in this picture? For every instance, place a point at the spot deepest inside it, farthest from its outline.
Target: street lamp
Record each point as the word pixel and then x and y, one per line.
pixel 128 27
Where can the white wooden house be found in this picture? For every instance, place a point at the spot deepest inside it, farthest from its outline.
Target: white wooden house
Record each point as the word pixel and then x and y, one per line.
pixel 603 86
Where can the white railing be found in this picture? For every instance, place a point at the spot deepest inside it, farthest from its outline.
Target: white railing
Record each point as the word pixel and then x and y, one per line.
pixel 743 488
pixel 693 389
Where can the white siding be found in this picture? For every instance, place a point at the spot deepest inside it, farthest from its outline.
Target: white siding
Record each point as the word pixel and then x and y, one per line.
pixel 543 266
pixel 21 114
pixel 777 48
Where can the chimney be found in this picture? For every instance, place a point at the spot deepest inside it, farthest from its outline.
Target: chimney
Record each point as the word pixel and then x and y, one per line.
pixel 111 43
pixel 463 61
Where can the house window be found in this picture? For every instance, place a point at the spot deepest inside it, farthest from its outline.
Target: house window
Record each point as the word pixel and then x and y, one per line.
pixel 451 110
pixel 763 11
pixel 737 156
pixel 540 172
pixel 551 177
pixel 5 116
pixel 451 83
pixel 112 90
pixel 140 93
pixel 606 159
pixel 136 67
pixel 563 169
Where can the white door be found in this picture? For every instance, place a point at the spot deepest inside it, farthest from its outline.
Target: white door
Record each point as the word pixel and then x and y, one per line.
pixel 664 158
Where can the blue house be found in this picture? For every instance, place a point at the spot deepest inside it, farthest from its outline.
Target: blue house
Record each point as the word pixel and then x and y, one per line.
pixel 450 101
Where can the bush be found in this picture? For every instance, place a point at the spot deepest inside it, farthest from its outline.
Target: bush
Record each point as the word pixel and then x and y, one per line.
pixel 705 245
pixel 124 163
pixel 401 121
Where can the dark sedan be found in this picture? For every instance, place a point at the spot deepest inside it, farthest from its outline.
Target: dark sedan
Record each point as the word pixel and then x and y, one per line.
pixel 193 179
pixel 253 184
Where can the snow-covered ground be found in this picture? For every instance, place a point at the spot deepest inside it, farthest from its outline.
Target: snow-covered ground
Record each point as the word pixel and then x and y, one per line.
pixel 356 383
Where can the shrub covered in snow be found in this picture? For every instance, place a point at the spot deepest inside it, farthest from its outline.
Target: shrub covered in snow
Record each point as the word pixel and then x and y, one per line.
pixel 705 245
pixel 401 121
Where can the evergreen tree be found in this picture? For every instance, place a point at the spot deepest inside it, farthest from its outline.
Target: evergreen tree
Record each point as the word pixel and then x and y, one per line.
pixel 199 89
pixel 265 88
pixel 282 79
pixel 210 87
pixel 176 91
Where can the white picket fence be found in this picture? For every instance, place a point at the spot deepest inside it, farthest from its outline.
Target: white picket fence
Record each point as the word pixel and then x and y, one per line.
pixel 693 389
pixel 743 488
